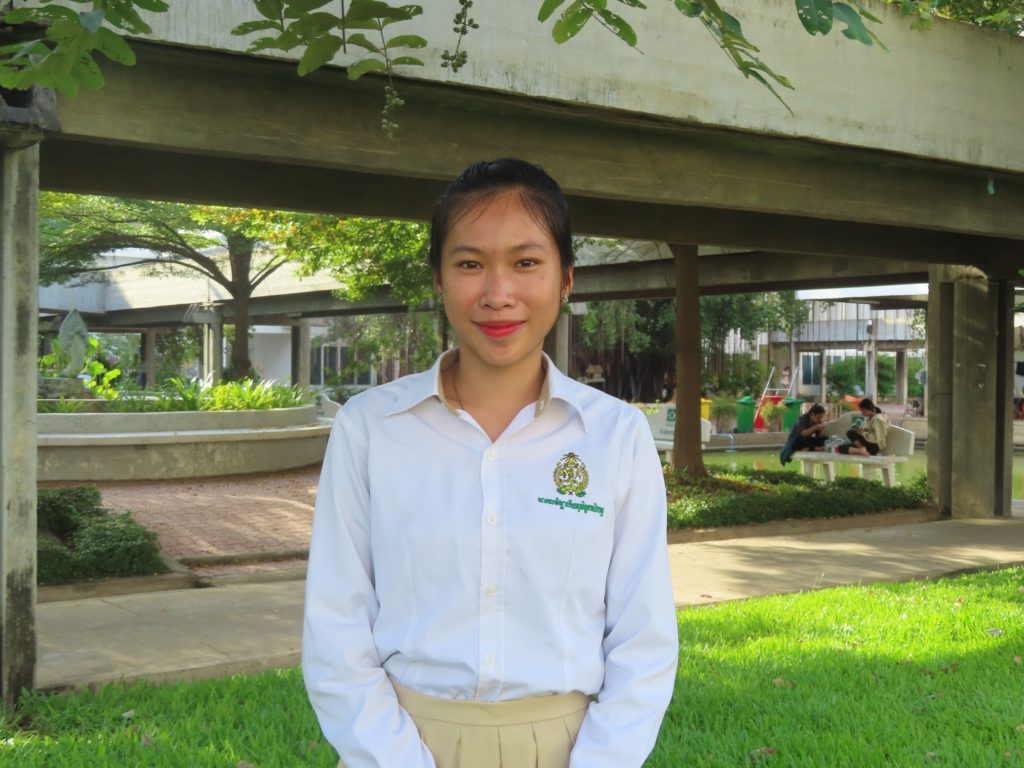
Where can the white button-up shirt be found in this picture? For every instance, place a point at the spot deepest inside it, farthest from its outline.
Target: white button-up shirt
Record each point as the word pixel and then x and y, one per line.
pixel 466 569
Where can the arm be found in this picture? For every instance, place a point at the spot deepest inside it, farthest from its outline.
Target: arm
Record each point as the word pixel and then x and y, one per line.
pixel 641 642
pixel 353 698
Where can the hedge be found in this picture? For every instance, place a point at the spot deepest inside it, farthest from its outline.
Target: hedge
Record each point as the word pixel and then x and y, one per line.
pixel 760 496
pixel 91 542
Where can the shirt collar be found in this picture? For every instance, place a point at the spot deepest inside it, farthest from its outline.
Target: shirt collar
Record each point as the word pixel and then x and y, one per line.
pixel 556 386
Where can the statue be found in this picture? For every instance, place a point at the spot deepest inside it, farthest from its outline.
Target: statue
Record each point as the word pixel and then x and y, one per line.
pixel 74 341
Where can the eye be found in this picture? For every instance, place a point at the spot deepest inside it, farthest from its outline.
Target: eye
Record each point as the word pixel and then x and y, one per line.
pixel 526 263
pixel 467 264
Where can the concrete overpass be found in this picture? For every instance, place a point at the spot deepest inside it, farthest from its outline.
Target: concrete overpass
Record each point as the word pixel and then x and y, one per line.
pixel 910 156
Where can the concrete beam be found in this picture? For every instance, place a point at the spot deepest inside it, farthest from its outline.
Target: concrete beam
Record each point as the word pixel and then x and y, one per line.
pixel 325 122
pixel 19 194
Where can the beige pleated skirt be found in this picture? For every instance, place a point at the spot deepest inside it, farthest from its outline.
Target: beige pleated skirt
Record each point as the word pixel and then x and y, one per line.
pixel 526 733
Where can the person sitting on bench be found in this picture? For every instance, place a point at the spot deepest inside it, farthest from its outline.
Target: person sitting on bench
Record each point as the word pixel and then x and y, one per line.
pixel 868 439
pixel 807 434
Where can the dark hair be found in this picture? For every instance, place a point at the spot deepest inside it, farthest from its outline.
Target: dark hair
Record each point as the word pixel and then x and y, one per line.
pixel 817 408
pixel 866 403
pixel 539 193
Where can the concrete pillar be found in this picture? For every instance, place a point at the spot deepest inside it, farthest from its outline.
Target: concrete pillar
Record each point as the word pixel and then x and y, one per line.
pixel 939 395
pixel 19 276
pixel 870 371
pixel 901 376
pixel 213 349
pixel 149 357
pixel 823 367
pixel 300 353
pixel 970 378
pixel 557 343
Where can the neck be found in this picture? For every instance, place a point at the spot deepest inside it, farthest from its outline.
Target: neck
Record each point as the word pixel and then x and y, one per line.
pixel 485 389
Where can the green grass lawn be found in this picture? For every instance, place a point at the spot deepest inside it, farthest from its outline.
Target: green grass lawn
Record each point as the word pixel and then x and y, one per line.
pixel 914 674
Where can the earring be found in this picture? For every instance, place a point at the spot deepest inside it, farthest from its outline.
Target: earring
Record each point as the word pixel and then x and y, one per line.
pixel 440 293
pixel 565 298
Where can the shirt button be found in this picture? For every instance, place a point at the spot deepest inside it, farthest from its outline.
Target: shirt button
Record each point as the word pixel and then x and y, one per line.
pixel 489 453
pixel 489 660
pixel 492 519
pixel 491 590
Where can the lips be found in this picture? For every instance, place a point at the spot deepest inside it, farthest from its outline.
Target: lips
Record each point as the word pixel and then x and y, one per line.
pixel 499 329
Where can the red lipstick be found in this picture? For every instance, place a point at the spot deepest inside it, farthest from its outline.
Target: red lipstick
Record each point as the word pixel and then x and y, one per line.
pixel 499 329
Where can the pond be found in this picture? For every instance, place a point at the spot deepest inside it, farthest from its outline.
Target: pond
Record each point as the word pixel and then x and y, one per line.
pixel 916 464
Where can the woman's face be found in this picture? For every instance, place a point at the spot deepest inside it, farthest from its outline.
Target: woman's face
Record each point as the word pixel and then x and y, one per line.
pixel 502 280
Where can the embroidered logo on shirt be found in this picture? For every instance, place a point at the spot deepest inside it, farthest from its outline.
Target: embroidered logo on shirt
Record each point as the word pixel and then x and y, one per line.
pixel 571 475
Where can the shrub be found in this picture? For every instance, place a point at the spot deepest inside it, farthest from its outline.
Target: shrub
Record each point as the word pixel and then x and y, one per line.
pixel 116 545
pixel 90 543
pixel 769 496
pixel 61 510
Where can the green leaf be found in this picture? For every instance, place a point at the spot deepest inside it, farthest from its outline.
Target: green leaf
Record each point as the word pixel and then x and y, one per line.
pixel 157 6
pixel 572 20
pixel 293 8
pixel 691 8
pixel 269 9
pixel 407 61
pixel 88 73
pixel 362 41
pixel 371 10
pixel 315 24
pixel 113 46
pixel 248 27
pixel 547 8
pixel 363 66
pixel 318 53
pixel 855 29
pixel 19 15
pixel 619 26
pixel 815 15
pixel 633 3
pixel 407 41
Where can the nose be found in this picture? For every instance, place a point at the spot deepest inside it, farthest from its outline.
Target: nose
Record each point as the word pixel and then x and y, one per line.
pixel 499 289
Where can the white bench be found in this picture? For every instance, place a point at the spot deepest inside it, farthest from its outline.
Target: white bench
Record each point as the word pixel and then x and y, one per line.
pixel 899 446
pixel 663 426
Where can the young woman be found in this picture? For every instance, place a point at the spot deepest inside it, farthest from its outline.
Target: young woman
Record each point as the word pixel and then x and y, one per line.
pixel 869 439
pixel 488 581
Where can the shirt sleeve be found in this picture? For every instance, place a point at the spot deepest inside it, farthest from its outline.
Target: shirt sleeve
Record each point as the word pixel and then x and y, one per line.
pixel 354 701
pixel 641 641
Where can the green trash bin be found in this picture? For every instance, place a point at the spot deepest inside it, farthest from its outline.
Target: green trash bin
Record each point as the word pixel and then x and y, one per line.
pixel 745 408
pixel 793 405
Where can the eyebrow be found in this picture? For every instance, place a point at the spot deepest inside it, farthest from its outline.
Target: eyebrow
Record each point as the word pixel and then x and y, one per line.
pixel 473 250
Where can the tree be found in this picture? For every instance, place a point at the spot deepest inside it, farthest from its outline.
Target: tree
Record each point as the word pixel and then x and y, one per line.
pixel 63 57
pixel 236 248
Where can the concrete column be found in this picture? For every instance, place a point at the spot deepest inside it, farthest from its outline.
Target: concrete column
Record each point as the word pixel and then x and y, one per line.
pixel 557 343
pixel 870 371
pixel 213 349
pixel 149 357
pixel 939 395
pixel 901 376
pixel 300 353
pixel 823 367
pixel 970 383
pixel 19 277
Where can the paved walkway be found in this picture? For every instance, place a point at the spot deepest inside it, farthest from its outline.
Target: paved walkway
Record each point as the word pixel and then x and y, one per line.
pixel 246 627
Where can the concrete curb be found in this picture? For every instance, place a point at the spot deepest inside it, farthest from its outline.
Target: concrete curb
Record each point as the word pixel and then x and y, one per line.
pixel 242 558
pixel 123 585
pixel 257 577
pixel 811 525
pixel 248 666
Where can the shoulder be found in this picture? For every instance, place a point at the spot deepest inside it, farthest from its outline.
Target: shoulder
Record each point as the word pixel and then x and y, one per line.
pixel 600 409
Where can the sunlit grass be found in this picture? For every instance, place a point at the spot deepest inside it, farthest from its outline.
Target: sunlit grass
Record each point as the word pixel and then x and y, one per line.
pixel 915 674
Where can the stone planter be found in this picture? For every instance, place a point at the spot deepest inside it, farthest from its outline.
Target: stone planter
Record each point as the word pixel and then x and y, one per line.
pixel 147 446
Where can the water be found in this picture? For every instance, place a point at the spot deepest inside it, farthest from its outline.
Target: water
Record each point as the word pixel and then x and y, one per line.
pixel 915 465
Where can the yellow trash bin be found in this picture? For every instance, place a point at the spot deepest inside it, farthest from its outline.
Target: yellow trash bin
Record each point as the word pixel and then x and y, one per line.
pixel 705 409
